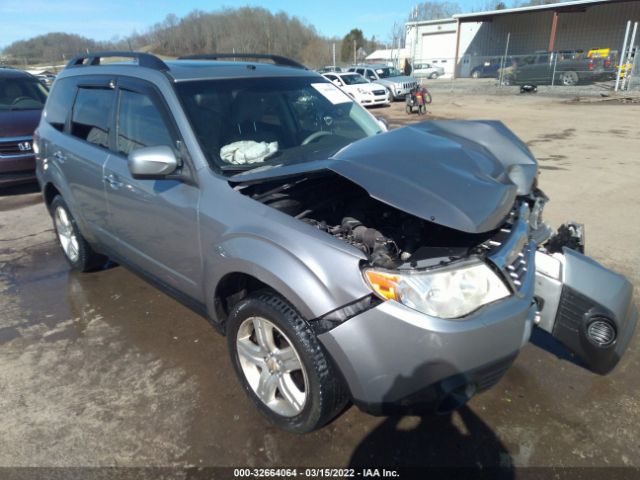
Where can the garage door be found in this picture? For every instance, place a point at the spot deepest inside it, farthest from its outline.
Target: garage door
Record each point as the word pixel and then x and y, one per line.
pixel 438 45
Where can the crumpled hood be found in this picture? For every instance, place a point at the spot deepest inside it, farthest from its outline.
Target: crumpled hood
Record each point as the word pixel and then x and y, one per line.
pixel 460 174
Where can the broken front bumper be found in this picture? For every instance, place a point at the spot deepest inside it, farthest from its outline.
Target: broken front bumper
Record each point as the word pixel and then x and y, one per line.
pixel 585 306
pixel 395 358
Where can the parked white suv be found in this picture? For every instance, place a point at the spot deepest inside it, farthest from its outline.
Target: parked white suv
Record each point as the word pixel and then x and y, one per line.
pixel 398 84
pixel 363 91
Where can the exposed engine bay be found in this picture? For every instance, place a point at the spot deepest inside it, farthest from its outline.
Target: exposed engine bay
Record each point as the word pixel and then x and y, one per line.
pixel 389 237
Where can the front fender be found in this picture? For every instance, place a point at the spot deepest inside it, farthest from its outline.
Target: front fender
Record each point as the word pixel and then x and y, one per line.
pixel 314 277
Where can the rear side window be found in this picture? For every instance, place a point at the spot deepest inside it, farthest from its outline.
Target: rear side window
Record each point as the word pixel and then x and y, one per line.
pixel 59 102
pixel 140 123
pixel 91 115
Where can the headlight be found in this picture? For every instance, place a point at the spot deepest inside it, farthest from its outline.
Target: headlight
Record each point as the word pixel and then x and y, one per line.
pixel 443 292
pixel 363 91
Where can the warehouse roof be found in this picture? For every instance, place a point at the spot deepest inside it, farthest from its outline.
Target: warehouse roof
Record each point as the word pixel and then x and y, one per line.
pixel 572 6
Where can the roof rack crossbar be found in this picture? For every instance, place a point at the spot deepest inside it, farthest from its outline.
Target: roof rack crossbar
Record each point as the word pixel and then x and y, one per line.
pixel 277 59
pixel 144 59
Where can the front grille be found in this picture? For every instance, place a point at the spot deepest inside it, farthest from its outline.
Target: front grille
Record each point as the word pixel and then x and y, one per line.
pixel 509 248
pixel 13 147
pixel 378 92
pixel 518 268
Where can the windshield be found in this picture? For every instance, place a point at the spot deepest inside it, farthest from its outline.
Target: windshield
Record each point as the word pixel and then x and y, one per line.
pixel 22 94
pixel 243 124
pixel 386 72
pixel 353 79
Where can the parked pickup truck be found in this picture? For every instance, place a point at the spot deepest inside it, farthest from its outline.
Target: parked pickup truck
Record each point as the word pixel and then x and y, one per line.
pixel 566 68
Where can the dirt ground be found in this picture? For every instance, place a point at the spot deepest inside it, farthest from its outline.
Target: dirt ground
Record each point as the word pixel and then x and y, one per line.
pixel 103 369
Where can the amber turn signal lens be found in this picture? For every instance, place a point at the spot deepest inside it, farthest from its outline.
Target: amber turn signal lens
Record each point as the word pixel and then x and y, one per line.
pixel 383 284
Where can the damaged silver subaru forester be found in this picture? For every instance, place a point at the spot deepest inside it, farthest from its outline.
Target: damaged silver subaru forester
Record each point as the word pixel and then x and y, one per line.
pixel 399 270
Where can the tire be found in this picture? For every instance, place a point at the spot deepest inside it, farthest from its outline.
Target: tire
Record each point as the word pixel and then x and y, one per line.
pixel 299 400
pixel 433 76
pixel 427 98
pixel 76 249
pixel 569 79
pixel 408 109
pixel 507 80
pixel 390 96
pixel 475 74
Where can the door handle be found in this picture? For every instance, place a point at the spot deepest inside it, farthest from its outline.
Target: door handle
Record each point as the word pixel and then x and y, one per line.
pixel 58 155
pixel 113 181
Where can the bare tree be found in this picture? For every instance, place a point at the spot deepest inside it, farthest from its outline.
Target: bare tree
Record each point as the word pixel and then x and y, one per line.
pixel 434 10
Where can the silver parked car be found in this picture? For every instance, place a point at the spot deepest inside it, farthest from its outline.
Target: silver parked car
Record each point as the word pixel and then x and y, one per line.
pixel 427 70
pixel 399 85
pixel 399 270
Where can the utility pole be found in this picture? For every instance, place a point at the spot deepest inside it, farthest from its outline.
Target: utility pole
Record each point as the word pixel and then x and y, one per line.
pixel 355 60
pixel 334 55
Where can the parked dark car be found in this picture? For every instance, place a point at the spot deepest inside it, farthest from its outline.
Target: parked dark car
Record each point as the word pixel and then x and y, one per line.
pixel 22 97
pixel 566 68
pixel 489 69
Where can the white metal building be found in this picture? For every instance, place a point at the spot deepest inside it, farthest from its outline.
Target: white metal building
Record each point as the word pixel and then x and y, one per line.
pixel 433 41
pixel 467 40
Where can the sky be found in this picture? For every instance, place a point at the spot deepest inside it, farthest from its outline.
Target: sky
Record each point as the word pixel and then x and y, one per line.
pixel 105 19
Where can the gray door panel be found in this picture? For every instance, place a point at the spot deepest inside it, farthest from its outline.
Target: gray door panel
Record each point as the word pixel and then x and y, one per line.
pixel 82 165
pixel 153 222
pixel 154 225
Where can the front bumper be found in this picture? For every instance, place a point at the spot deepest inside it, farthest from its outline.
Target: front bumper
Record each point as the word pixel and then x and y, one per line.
pixel 17 169
pixel 394 358
pixel 373 100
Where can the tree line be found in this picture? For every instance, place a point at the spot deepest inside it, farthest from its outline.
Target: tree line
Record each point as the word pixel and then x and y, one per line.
pixel 239 30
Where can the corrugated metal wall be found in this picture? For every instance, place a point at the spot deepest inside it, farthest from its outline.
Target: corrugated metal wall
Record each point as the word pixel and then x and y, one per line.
pixel 600 26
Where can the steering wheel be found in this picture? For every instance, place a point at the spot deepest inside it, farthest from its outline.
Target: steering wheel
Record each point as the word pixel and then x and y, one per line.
pixel 315 136
pixel 20 99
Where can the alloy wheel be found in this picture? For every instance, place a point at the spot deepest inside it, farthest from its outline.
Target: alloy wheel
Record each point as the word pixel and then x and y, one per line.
pixel 272 366
pixel 66 234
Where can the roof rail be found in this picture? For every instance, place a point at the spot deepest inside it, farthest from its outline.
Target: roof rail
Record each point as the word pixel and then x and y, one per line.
pixel 277 59
pixel 144 59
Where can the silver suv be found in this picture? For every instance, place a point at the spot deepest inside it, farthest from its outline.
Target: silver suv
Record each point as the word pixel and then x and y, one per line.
pixel 399 270
pixel 391 78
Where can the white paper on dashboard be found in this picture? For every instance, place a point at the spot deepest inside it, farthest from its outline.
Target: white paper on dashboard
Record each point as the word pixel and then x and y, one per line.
pixel 332 93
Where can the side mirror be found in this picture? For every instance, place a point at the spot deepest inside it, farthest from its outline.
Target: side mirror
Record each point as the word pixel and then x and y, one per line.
pixel 384 125
pixel 337 83
pixel 152 162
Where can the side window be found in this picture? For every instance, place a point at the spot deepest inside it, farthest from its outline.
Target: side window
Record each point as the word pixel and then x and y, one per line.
pixel 59 102
pixel 91 115
pixel 140 123
pixel 331 78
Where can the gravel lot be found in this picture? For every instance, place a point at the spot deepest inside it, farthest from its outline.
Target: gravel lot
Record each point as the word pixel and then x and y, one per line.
pixel 103 369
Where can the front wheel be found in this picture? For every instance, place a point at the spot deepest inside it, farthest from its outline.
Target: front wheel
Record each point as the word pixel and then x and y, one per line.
pixel 433 76
pixel 427 97
pixel 475 74
pixel 281 364
pixel 76 249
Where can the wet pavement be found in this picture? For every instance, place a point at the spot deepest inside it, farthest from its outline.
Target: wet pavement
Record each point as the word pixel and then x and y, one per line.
pixel 103 369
